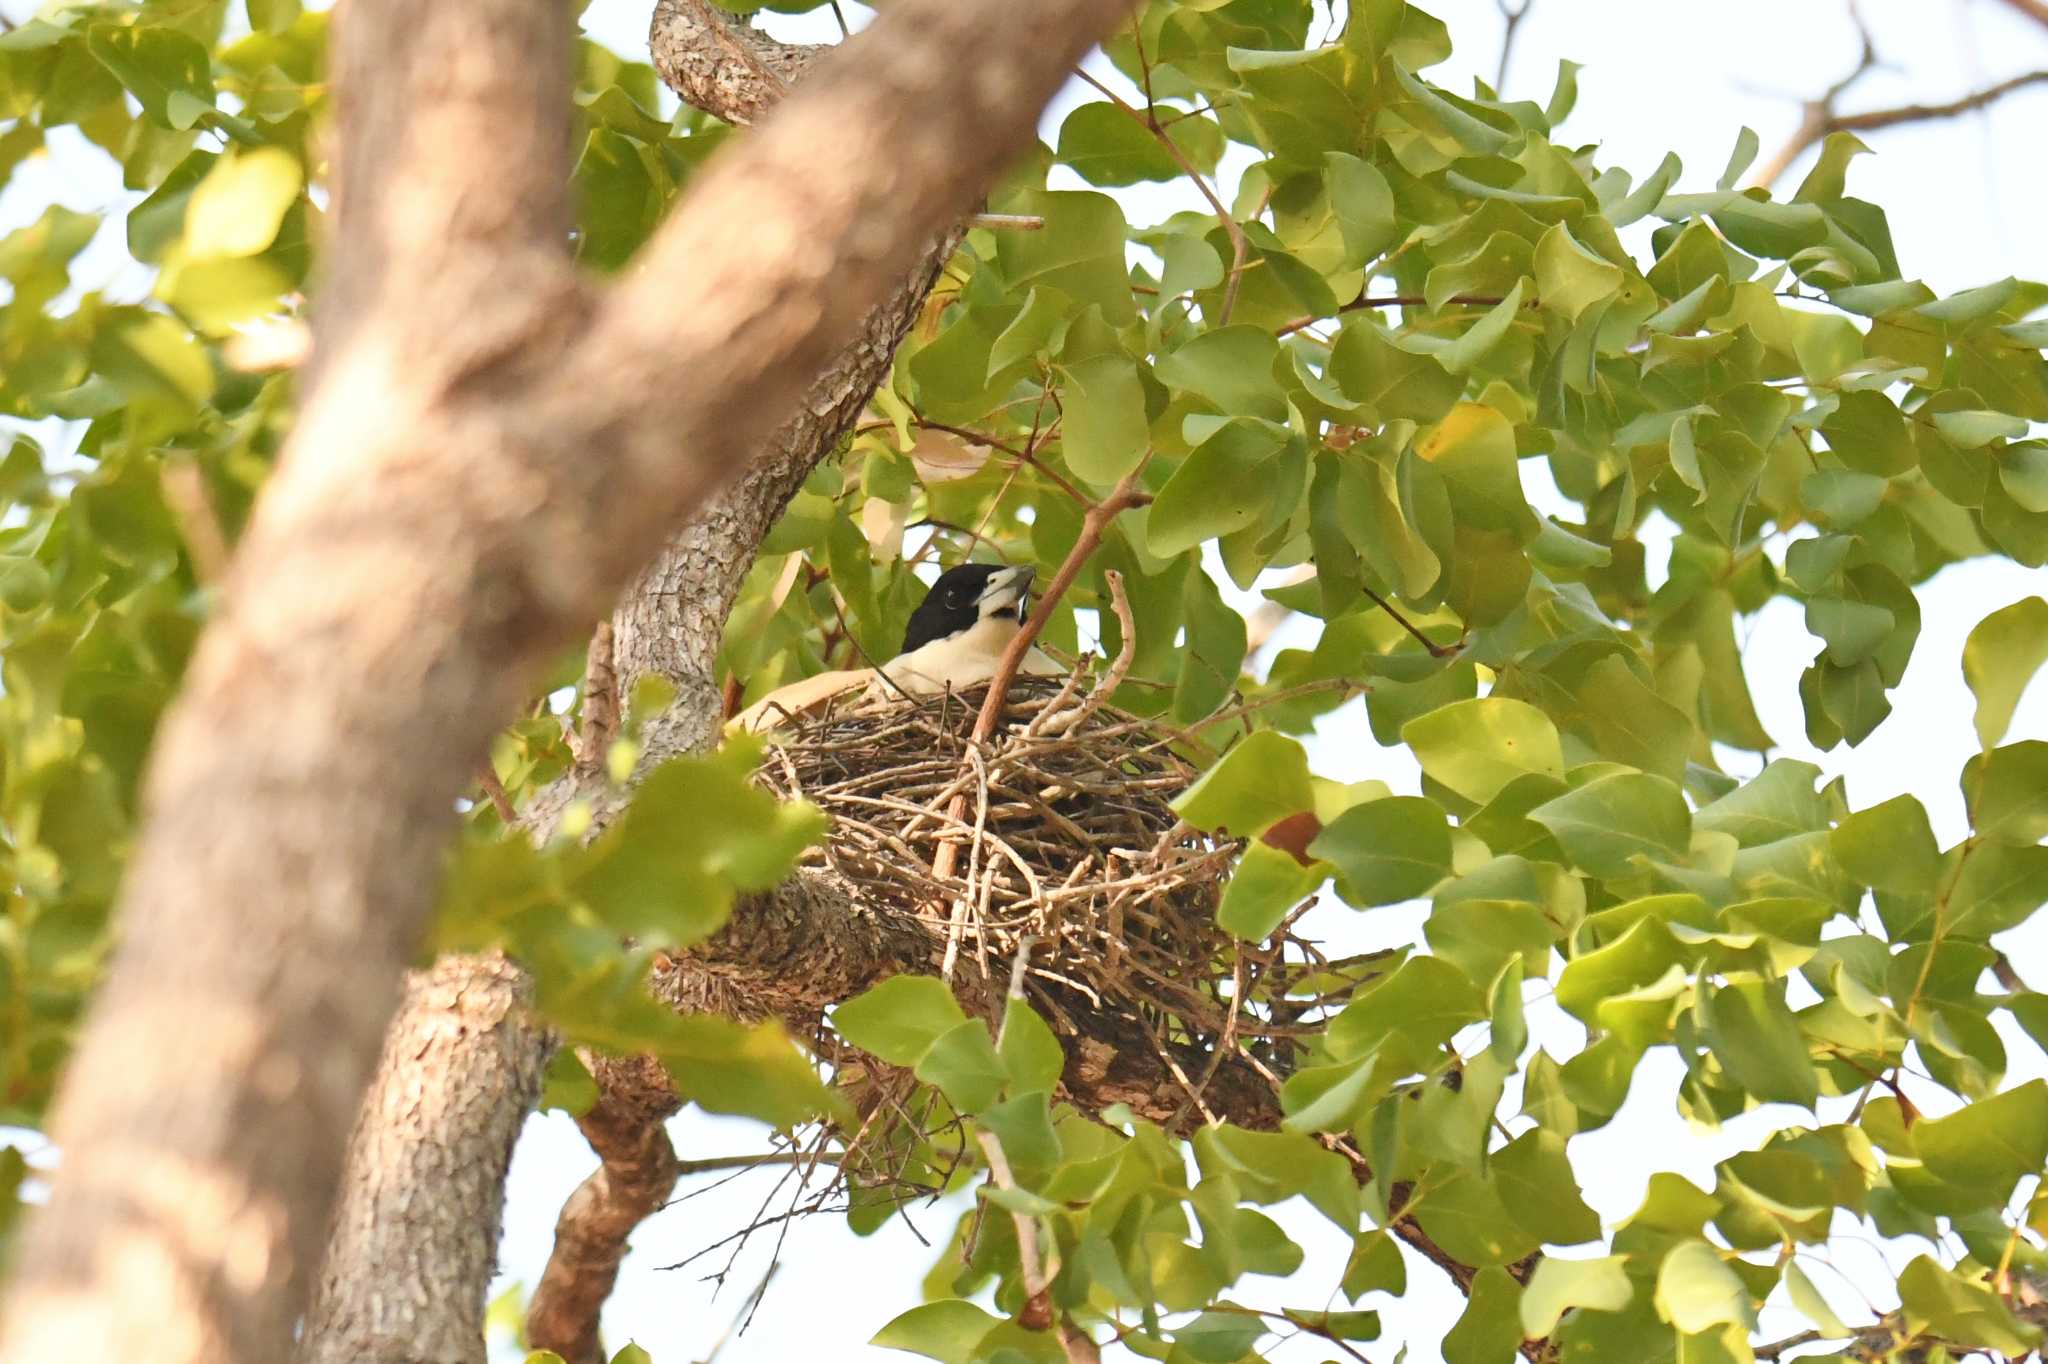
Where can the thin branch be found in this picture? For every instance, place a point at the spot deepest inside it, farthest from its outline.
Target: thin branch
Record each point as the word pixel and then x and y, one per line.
pixel 1435 650
pixel 1007 222
pixel 191 508
pixel 1920 113
pixel 487 777
pixel 1511 20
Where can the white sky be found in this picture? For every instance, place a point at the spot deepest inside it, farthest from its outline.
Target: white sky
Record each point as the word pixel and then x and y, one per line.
pixel 1966 199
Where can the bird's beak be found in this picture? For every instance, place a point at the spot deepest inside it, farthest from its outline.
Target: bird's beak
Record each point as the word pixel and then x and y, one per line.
pixel 1009 589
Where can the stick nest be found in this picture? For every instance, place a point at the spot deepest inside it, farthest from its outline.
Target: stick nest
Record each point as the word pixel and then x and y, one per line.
pixel 1067 838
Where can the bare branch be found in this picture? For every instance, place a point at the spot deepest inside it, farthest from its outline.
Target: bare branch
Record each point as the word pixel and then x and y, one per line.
pixel 1819 117
pixel 1511 16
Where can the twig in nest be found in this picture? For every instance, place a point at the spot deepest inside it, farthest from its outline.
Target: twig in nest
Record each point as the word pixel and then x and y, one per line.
pixel 1056 718
pixel 1123 497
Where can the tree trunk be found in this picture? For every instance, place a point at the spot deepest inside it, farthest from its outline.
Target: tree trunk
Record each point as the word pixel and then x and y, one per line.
pixel 489 449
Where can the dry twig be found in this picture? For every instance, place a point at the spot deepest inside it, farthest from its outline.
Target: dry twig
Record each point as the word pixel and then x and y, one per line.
pixel 1819 117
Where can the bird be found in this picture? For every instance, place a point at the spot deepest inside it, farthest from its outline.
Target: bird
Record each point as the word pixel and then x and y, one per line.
pixel 954 640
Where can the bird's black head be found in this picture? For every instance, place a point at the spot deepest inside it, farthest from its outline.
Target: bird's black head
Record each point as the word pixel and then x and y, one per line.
pixel 966 594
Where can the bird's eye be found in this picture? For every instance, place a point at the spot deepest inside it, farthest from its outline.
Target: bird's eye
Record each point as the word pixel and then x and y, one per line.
pixel 956 599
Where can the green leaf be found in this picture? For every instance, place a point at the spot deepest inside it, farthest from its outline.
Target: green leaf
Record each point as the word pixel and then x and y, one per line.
pixel 1853 629
pixel 1079 251
pixel 1232 369
pixel 1605 825
pixel 899 1019
pixel 1758 1042
pixel 1969 430
pixel 1600 1284
pixel 1489 1332
pixel 2000 658
pixel 1540 1190
pixel 1373 369
pixel 1479 339
pixel 2000 887
pixel 697 831
pixel 962 1062
pixel 1476 747
pixel 1889 847
pixel 1639 957
pixel 147 355
pixel 157 64
pixel 1105 145
pixel 1569 278
pixel 1267 883
pixel 2007 792
pixel 1777 803
pixel 1739 158
pixel 1104 432
pixel 1956 1309
pixel 1868 433
pixel 1217 1337
pixel 237 209
pixel 947 1330
pixel 621 189
pixel 1028 336
pixel 273 16
pixel 1466 1217
pixel 1987 1147
pixel 1262 779
pixel 1363 204
pixel 1386 851
pixel 1426 1000
pixel 1224 485
pixel 1808 1300
pixel 1696 1290
pixel 1030 1051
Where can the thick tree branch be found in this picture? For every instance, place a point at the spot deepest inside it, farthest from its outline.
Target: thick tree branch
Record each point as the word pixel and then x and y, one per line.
pixel 487 452
pixel 669 624
pixel 416 1238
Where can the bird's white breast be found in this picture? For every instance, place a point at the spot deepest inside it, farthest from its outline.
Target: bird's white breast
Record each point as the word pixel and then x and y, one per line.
pixel 962 660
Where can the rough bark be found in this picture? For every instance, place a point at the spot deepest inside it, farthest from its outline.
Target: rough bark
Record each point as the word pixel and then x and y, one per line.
pixel 488 450
pixel 415 1236
pixel 637 1171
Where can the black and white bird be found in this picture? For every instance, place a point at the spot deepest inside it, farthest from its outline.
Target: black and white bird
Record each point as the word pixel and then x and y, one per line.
pixel 954 640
